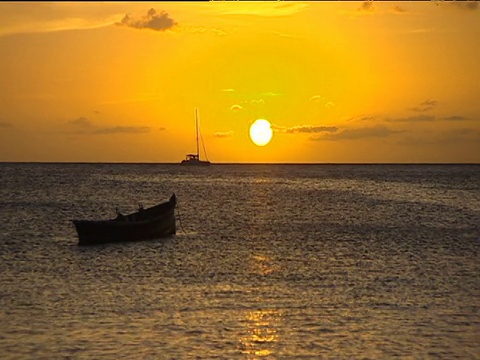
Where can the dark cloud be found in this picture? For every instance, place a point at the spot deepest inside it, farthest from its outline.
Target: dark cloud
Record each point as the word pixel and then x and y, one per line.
pixel 5 125
pixel 81 122
pixel 455 118
pixel 153 20
pixel 461 135
pixel 449 137
pixel 399 10
pixel 425 106
pixel 464 134
pixel 85 126
pixel 463 131
pixel 122 130
pixel 366 6
pixel 304 129
pixel 415 118
pixel 359 133
pixel 466 5
pixel 429 103
pixel 224 134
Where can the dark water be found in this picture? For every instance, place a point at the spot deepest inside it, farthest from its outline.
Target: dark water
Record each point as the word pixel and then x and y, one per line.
pixel 270 261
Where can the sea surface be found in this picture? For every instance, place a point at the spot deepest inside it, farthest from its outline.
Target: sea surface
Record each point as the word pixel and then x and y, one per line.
pixel 269 262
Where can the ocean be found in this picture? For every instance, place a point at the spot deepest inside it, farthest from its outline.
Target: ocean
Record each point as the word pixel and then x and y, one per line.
pixel 269 262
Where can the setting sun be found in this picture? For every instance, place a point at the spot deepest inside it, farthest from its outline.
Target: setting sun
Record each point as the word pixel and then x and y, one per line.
pixel 261 132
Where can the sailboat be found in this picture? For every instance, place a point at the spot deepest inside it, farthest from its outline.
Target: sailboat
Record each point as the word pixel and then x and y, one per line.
pixel 194 159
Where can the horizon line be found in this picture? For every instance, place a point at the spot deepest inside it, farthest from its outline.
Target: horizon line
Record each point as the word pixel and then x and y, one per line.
pixel 238 163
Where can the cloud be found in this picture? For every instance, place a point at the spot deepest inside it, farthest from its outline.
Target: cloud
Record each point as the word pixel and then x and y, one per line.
pixel 461 135
pixel 321 100
pixel 415 118
pixel 228 90
pixel 429 103
pixel 399 10
pixel 367 6
pixel 81 122
pixel 224 134
pixel 122 130
pixel 162 128
pixel 453 136
pixel 85 126
pixel 5 125
pixel 466 5
pixel 236 107
pixel 304 129
pixel 454 118
pixel 271 94
pixel 153 20
pixel 378 131
pixel 425 106
pixel 361 118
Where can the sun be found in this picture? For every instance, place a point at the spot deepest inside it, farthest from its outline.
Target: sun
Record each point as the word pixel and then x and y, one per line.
pixel 261 132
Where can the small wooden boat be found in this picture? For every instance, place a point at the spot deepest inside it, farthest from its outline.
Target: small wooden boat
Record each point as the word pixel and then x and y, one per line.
pixel 151 223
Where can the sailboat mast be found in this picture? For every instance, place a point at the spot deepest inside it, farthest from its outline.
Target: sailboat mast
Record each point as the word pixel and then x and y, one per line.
pixel 196 129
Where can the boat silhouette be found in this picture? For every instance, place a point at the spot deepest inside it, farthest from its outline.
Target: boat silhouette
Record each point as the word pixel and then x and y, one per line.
pixel 150 223
pixel 194 159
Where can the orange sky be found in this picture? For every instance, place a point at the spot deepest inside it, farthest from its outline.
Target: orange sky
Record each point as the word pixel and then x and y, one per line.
pixel 339 81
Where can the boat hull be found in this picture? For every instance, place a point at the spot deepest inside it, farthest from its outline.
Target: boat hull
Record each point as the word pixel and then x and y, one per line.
pixel 195 163
pixel 152 223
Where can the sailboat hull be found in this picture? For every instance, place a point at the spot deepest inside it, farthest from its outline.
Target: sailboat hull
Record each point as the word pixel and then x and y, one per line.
pixel 191 162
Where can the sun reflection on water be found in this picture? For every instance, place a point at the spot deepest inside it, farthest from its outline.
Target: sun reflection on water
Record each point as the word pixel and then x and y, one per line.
pixel 262 337
pixel 262 265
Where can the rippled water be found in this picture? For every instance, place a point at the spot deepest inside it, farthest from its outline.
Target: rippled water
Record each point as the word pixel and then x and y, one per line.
pixel 270 261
